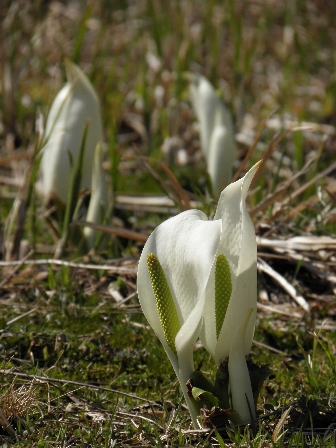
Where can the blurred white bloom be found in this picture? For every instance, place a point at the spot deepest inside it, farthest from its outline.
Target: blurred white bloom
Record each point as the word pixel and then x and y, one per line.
pixel 182 157
pixel 217 132
pixel 75 105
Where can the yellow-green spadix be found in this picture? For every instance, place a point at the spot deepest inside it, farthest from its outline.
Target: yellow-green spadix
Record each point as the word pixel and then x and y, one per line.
pixel 177 282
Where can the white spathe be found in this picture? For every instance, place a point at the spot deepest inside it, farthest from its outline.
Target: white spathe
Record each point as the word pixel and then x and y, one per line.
pixel 238 245
pixel 75 105
pixel 187 246
pixel 216 132
pixel 186 258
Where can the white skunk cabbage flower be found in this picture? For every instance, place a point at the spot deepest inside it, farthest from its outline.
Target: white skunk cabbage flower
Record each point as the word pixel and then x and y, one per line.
pixel 216 132
pixel 231 295
pixel 99 197
pixel 75 105
pixel 173 272
pixel 232 289
pixel 194 273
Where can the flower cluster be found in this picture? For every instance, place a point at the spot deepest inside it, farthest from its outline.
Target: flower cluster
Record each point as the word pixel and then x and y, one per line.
pixel 197 278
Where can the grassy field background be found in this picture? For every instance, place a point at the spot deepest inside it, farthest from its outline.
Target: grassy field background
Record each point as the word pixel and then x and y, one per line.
pixel 79 365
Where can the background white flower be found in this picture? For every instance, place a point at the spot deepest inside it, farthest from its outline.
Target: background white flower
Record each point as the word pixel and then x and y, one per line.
pixel 216 132
pixel 75 105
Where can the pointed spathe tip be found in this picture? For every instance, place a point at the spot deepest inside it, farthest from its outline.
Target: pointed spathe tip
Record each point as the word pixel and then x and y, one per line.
pixel 256 166
pixel 252 171
pixel 72 70
pixel 247 179
pixel 76 76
